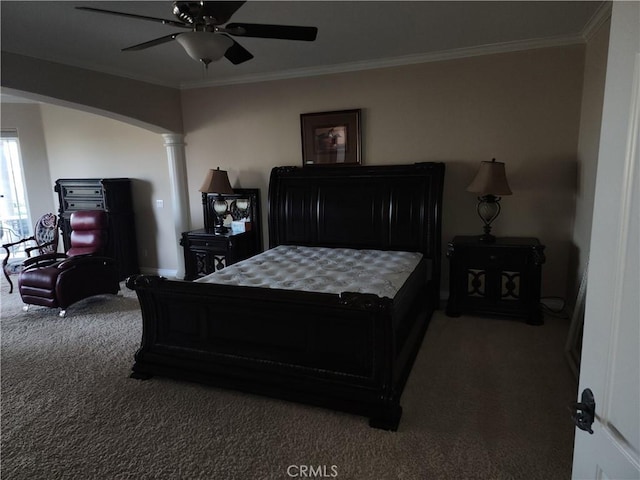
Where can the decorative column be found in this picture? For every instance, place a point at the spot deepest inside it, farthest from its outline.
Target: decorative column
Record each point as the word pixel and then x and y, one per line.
pixel 174 143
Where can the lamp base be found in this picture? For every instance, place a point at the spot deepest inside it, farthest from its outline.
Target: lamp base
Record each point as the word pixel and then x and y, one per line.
pixel 486 238
pixel 488 210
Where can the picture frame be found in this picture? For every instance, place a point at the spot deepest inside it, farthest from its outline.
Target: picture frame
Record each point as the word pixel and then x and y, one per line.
pixel 331 138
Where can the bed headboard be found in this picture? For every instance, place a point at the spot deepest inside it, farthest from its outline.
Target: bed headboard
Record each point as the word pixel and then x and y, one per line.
pixel 390 207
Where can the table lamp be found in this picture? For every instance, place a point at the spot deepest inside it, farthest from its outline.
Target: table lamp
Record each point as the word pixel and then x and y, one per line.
pixel 489 182
pixel 217 181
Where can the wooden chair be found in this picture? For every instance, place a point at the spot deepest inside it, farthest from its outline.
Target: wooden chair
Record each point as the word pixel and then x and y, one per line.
pixel 44 240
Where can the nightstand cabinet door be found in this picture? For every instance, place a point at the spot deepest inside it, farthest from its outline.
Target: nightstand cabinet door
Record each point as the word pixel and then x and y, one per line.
pixel 206 252
pixel 501 278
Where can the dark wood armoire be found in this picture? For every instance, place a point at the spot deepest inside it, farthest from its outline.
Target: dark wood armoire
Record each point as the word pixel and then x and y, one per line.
pixel 112 195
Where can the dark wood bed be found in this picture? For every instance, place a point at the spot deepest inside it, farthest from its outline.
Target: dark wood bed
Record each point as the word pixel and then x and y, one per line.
pixel 351 352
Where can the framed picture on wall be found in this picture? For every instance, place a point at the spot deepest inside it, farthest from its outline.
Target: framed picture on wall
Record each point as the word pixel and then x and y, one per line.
pixel 331 138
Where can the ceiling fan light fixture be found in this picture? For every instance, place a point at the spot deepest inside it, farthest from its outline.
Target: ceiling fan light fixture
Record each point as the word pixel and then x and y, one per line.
pixel 206 41
pixel 205 47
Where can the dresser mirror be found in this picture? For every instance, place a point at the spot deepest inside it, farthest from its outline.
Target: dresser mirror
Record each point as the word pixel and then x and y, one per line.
pixel 241 206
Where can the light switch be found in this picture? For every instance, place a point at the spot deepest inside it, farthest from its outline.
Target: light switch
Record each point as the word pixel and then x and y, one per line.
pixel 159 203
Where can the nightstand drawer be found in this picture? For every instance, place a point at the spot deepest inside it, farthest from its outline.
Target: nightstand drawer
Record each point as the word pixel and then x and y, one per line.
pixel 215 243
pixel 491 257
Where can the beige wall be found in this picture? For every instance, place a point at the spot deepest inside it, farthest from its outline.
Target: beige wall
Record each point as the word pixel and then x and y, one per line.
pixel 522 108
pixel 588 147
pixel 84 145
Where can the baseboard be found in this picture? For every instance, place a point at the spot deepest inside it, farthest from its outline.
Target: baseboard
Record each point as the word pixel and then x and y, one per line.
pixel 163 272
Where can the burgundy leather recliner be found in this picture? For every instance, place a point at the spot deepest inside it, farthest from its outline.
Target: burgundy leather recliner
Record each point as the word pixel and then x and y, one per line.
pixel 58 280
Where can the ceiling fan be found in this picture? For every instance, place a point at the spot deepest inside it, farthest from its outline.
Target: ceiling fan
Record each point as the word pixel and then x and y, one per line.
pixel 208 40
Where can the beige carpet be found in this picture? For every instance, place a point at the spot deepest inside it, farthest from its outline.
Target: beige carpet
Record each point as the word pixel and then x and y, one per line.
pixel 487 399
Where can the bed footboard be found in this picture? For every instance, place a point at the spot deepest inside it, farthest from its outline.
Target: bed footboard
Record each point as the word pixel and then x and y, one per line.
pixel 336 351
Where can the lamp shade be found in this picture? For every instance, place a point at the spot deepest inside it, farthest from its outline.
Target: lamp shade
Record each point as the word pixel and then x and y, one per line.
pixel 204 46
pixel 216 181
pixel 491 179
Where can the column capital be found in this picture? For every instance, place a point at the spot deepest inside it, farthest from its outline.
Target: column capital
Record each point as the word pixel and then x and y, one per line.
pixel 173 139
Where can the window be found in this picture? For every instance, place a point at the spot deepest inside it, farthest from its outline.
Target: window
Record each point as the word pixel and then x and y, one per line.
pixel 15 222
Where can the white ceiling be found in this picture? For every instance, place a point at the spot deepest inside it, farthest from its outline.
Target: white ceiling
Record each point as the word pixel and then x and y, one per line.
pixel 351 35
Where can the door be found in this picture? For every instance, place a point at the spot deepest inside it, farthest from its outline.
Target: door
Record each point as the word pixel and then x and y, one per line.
pixel 610 365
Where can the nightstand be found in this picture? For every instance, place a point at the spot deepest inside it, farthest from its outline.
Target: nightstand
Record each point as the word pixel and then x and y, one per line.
pixel 495 279
pixel 205 251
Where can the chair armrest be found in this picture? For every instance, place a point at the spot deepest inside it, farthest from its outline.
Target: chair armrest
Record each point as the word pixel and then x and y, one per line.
pixel 7 245
pixel 85 260
pixel 43 260
pixel 38 247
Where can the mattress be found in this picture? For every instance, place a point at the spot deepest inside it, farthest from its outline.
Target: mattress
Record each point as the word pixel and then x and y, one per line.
pixel 324 270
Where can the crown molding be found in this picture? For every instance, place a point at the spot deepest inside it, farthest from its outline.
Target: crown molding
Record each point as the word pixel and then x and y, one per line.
pixel 591 28
pixel 453 54
pixel 599 18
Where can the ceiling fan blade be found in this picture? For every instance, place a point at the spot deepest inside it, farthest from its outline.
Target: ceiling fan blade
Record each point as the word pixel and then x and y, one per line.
pixel 237 54
pixel 284 32
pixel 151 43
pixel 173 23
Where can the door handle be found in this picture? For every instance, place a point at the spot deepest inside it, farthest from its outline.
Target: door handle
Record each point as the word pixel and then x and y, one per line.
pixel 583 413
